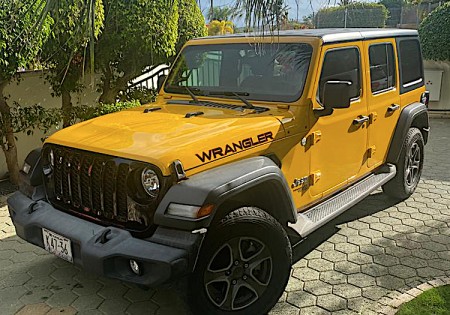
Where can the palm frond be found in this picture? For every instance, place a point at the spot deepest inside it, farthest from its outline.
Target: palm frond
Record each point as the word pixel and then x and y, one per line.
pixel 262 15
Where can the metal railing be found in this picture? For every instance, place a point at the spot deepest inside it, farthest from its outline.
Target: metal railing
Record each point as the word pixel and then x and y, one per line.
pixel 149 79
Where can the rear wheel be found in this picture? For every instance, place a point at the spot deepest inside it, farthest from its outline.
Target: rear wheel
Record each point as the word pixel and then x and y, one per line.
pixel 243 267
pixel 409 167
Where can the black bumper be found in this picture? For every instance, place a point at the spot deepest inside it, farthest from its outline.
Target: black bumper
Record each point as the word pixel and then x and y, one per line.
pixel 168 254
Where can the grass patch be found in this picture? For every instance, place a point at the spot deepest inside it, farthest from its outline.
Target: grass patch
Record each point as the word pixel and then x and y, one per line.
pixel 435 301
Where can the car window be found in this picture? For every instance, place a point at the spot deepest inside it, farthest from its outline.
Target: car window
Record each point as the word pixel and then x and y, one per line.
pixel 269 72
pixel 341 65
pixel 382 67
pixel 410 62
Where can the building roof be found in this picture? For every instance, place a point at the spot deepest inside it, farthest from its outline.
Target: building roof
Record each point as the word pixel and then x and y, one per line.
pixel 332 35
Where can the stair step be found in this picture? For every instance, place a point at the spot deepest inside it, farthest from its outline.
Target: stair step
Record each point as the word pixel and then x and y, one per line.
pixel 315 217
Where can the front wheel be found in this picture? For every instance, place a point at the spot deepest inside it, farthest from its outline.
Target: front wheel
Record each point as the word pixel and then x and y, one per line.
pixel 243 267
pixel 409 167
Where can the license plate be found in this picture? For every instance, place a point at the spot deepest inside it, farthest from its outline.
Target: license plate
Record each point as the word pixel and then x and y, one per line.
pixel 57 245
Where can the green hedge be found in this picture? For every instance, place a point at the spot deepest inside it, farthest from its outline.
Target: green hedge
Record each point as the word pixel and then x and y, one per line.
pixel 435 34
pixel 359 14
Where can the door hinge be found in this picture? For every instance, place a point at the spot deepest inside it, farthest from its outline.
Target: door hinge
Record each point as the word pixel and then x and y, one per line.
pixel 373 116
pixel 312 139
pixel 305 182
pixel 314 178
pixel 300 183
pixel 371 151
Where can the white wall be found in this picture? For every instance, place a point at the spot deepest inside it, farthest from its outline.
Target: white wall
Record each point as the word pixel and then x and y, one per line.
pixel 32 89
pixel 444 102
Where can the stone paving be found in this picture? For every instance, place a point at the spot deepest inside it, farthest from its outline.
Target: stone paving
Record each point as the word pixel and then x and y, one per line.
pixel 361 263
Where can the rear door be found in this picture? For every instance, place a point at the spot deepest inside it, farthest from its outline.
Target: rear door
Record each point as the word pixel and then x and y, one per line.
pixel 383 97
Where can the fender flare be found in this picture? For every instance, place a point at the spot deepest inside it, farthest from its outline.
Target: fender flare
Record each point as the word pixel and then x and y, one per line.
pixel 253 180
pixel 413 115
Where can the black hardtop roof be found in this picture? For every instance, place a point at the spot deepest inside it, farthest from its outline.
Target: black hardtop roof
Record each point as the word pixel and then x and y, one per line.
pixel 332 35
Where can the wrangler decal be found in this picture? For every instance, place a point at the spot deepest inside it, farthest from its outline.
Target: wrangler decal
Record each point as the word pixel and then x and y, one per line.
pixel 235 147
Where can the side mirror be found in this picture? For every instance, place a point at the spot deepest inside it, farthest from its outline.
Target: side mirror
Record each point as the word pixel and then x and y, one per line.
pixel 161 79
pixel 337 94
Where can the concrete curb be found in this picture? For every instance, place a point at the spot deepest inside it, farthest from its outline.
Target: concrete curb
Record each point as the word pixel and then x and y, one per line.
pixel 394 305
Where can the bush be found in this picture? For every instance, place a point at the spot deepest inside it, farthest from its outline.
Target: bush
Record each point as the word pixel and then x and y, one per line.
pixel 434 34
pixel 359 14
pixel 82 113
pixel 142 94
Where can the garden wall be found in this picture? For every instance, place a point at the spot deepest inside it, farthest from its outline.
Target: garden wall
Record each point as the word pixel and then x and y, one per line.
pixel 30 90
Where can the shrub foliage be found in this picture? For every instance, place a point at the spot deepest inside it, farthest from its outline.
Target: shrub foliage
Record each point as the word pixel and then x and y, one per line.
pixel 435 34
pixel 359 14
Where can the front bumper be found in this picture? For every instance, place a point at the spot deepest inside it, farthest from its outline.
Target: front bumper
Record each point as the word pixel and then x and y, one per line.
pixel 166 255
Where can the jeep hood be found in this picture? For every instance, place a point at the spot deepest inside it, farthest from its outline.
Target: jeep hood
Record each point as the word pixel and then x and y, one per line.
pixel 165 135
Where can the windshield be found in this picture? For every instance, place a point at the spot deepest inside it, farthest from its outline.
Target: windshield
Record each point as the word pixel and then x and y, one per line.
pixel 267 72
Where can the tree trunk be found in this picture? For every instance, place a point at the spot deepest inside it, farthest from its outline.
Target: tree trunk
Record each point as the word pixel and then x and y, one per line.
pixel 7 140
pixel 111 88
pixel 66 108
pixel 108 96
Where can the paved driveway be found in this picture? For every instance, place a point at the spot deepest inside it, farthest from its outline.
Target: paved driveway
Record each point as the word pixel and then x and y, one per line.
pixel 363 260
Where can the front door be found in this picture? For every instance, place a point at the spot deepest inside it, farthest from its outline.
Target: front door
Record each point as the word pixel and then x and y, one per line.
pixel 338 149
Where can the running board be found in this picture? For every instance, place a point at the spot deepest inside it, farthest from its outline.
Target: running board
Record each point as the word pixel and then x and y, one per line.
pixel 314 218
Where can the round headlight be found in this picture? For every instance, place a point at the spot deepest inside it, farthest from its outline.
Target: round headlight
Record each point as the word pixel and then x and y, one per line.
pixel 150 182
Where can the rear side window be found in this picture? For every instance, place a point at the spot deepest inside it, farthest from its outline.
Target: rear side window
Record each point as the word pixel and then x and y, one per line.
pixel 411 68
pixel 382 67
pixel 341 65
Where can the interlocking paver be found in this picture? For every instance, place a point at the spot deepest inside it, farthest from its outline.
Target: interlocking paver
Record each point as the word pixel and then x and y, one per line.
pixel 403 272
pixel 301 299
pixel 318 287
pixel 294 285
pixel 347 290
pixel 87 302
pixel 347 267
pixel 331 302
pixel 138 308
pixel 378 250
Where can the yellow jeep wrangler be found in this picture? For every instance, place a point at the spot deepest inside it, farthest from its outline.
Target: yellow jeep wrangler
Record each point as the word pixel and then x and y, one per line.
pixel 252 144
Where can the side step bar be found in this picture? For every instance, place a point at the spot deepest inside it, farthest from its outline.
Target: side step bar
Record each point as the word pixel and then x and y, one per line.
pixel 314 218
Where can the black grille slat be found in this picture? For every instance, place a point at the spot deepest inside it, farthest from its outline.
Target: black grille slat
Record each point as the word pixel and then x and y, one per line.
pixel 66 190
pixel 85 174
pixel 75 180
pixel 96 187
pixel 109 188
pixel 121 195
pixel 58 160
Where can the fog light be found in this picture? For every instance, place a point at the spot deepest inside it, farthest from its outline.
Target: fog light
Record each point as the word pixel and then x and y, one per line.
pixel 135 267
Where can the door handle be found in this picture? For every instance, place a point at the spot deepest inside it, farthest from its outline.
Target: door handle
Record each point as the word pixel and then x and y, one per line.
pixel 393 108
pixel 360 120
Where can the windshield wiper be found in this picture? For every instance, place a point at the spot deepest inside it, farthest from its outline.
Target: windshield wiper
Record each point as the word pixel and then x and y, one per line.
pixel 187 89
pixel 239 95
pixel 195 98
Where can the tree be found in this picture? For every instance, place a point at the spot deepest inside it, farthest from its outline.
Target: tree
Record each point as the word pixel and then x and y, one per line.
pixel 220 28
pixel 263 14
pixel 434 34
pixel 22 32
pixel 138 34
pixel 65 50
pixel 191 23
pixel 222 14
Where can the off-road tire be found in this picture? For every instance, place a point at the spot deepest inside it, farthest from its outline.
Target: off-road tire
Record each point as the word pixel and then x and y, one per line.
pixel 248 232
pixel 409 167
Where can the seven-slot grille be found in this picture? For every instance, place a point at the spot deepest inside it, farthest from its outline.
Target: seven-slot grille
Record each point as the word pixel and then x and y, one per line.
pixel 91 184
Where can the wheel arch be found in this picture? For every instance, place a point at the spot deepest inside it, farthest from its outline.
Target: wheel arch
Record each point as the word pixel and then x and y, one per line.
pixel 413 115
pixel 256 182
